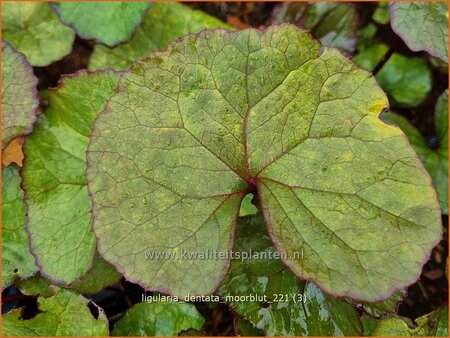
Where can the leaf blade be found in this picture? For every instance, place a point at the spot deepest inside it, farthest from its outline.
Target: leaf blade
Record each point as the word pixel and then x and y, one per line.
pixel 93 20
pixel 57 198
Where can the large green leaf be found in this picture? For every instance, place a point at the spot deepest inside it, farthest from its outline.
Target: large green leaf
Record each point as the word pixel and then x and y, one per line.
pixel 34 29
pixel 59 207
pixel 107 22
pixel 422 26
pixel 19 95
pixel 158 319
pixel 190 131
pixel 435 159
pixel 291 307
pixel 17 261
pixel 432 324
pixel 333 23
pixel 63 314
pixel 164 22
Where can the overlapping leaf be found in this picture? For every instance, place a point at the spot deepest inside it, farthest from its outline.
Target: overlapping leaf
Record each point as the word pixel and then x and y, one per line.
pixel 19 95
pixel 34 30
pixel 59 207
pixel 107 22
pixel 407 80
pixel 434 158
pixel 422 25
pixel 293 307
pixel 63 314
pixel 163 23
pixel 189 132
pixel 101 275
pixel 388 306
pixel 17 261
pixel 158 319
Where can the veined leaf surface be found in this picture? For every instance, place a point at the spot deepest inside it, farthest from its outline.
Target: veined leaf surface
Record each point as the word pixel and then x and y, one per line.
pixel 59 207
pixel 191 131
pixel 164 22
pixel 422 26
pixel 33 29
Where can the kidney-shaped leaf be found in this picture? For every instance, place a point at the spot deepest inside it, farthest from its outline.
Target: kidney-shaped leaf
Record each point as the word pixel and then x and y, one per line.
pixel 285 306
pixel 107 22
pixel 59 207
pixel 63 314
pixel 422 26
pixel 190 131
pixel 19 95
pixel 34 29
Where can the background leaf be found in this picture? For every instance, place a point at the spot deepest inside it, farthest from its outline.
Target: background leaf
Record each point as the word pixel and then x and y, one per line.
pixel 19 95
pixel 435 158
pixel 17 261
pixel 314 314
pixel 59 207
pixel 158 319
pixel 107 22
pixel 63 314
pixel 101 275
pixel 422 26
pixel 334 24
pixel 164 22
pixel 407 80
pixel 433 324
pixel 34 30
pixel 388 306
